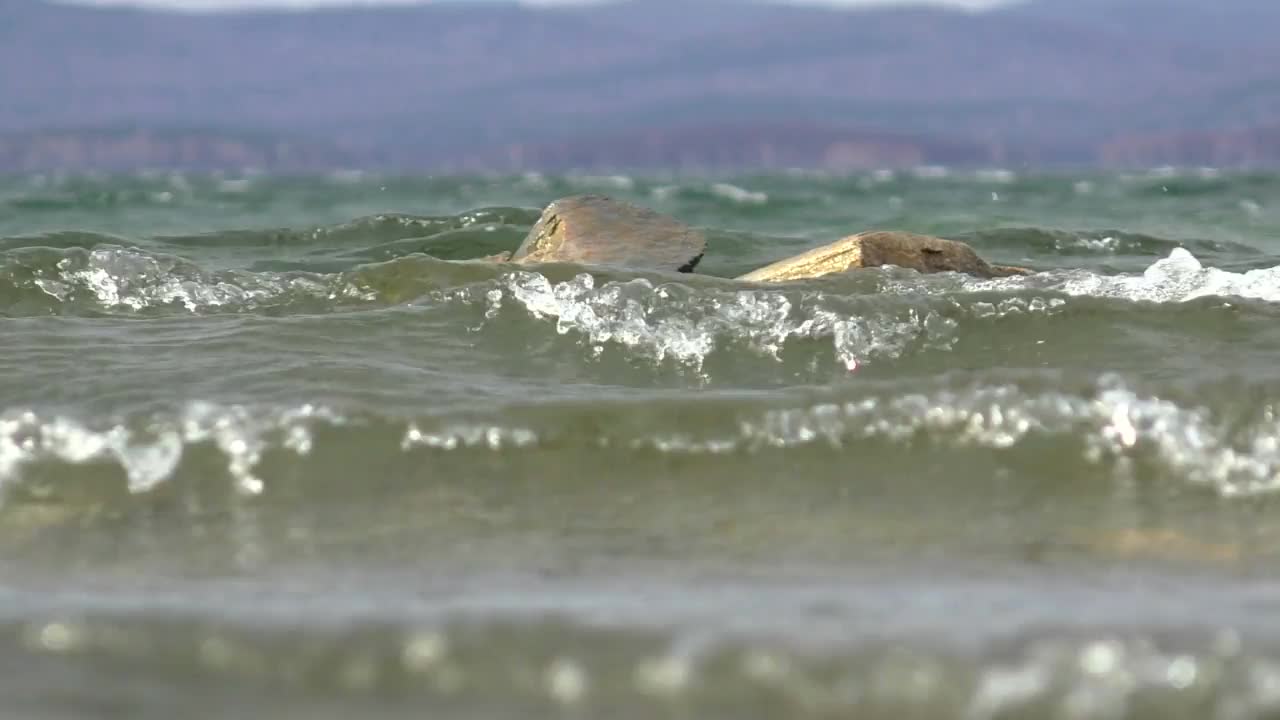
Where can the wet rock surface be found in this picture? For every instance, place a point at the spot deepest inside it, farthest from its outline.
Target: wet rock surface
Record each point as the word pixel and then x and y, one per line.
pixel 923 253
pixel 597 230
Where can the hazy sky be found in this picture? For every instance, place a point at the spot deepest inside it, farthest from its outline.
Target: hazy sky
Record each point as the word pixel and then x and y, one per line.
pixel 212 4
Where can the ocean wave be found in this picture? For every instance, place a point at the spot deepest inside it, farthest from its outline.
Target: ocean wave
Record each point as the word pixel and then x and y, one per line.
pixel 150 452
pixel 110 277
pixel 484 230
pixel 488 230
pixel 1107 429
pixel 1033 241
pixel 610 325
pixel 113 278
pixel 843 323
pixel 740 195
pixel 674 321
pixel 1179 277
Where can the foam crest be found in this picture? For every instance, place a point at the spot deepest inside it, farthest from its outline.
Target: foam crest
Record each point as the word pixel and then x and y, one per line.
pixel 1177 278
pixel 1015 306
pixel 739 195
pixel 468 435
pixel 151 455
pixel 123 278
pixel 1111 427
pixel 1181 277
pixel 1108 244
pixel 674 322
pixel 1114 425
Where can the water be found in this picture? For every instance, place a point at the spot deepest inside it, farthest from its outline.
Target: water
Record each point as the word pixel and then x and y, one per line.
pixel 276 447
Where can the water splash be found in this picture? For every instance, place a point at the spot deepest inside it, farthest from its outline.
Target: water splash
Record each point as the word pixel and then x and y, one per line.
pixel 152 454
pixel 120 278
pixel 1180 277
pixel 1115 424
pixel 685 325
pixel 1113 427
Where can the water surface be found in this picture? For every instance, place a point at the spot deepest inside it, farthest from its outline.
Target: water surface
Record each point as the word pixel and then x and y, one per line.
pixel 281 447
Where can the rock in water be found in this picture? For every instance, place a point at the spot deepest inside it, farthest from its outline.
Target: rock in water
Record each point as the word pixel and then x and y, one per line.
pixel 873 249
pixel 596 230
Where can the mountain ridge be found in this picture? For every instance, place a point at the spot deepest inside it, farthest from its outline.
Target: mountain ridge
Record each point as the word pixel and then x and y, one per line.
pixel 448 85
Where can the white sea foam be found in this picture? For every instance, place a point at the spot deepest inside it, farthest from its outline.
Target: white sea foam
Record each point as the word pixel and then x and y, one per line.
pixel 118 277
pixel 670 322
pixel 1107 244
pixel 468 435
pixel 1113 426
pixel 740 195
pixel 1177 278
pixel 151 455
pixel 1115 423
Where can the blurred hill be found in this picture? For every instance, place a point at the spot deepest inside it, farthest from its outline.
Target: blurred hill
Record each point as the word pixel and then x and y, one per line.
pixel 645 84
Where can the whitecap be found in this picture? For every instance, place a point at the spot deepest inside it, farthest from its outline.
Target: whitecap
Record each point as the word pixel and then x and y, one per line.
pixel 1108 244
pixel 739 195
pixel 1115 423
pixel 1180 277
pixel 120 277
pixel 1112 425
pixel 151 456
pixel 671 322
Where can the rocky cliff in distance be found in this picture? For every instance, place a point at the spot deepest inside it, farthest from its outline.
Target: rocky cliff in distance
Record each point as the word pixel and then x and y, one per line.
pixel 701 149
pixel 126 150
pixel 733 147
pixel 1253 148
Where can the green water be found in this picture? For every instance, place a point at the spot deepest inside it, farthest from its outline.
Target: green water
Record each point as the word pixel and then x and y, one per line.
pixel 281 447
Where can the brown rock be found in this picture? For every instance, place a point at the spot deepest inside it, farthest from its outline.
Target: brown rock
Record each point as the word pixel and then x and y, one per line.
pixel 596 230
pixel 873 249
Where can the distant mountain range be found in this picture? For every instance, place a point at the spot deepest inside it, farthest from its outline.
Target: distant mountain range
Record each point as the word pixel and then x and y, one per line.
pixel 645 84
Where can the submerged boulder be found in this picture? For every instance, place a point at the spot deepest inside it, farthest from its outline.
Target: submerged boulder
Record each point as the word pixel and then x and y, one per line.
pixel 597 230
pixel 873 249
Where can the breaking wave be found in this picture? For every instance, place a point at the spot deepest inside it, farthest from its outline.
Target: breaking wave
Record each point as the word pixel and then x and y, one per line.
pixel 1106 426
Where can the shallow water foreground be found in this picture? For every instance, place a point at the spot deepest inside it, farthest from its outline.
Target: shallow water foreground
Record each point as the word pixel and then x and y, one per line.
pixel 268 449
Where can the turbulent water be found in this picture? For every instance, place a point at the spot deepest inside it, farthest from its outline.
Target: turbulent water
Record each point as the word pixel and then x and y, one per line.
pixel 284 448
